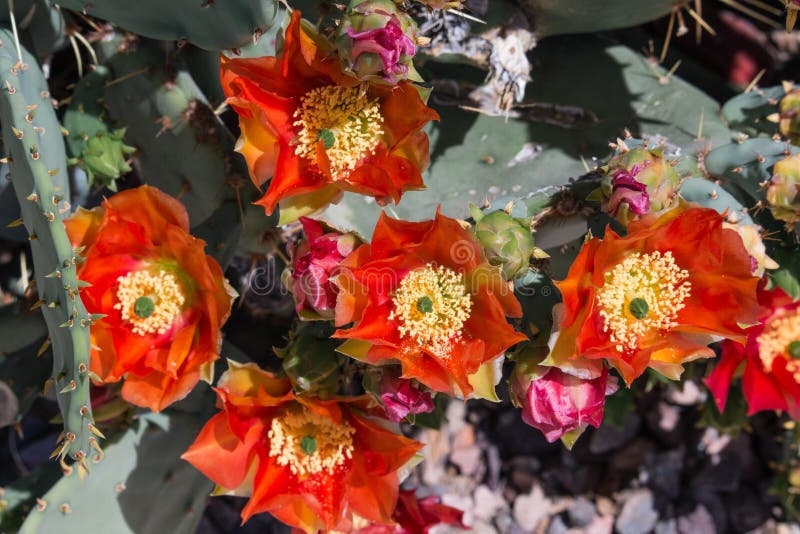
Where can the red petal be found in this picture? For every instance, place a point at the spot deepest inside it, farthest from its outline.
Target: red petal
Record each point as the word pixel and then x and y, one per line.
pixel 719 381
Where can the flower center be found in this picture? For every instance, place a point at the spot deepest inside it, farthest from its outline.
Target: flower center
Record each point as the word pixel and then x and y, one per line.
pixel 149 301
pixel 641 295
pixel 309 443
pixel 432 306
pixel 781 338
pixel 346 121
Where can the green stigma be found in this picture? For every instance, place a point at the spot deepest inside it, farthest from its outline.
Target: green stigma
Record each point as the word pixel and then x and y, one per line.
pixel 794 349
pixel 425 304
pixel 639 308
pixel 308 444
pixel 144 307
pixel 328 139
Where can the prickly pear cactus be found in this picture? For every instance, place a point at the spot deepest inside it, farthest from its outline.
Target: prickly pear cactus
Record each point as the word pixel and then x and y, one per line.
pixel 37 165
pixel 256 246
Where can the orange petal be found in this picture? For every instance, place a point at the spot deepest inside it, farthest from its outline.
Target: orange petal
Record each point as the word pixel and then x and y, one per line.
pixel 220 455
pixel 158 390
pixel 82 226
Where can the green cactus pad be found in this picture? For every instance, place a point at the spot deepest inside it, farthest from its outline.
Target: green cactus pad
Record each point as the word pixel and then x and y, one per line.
pixel 38 173
pixel 209 24
pixel 748 112
pixel 141 486
pixel 748 164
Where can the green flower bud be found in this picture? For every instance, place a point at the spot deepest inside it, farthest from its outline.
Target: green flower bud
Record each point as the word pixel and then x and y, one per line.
pixel 507 241
pixel 103 158
pixel 782 193
pixel 790 116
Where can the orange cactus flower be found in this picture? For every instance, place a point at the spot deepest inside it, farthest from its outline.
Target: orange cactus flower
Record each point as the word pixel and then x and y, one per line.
pixel 656 297
pixel 771 374
pixel 423 293
pixel 315 131
pixel 164 299
pixel 313 464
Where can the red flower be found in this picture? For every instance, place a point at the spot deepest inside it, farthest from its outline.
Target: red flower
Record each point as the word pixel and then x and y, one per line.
pixel 656 297
pixel 557 403
pixel 424 294
pixel 316 132
pixel 314 261
pixel 164 299
pixel 313 464
pixel 417 516
pixel 771 377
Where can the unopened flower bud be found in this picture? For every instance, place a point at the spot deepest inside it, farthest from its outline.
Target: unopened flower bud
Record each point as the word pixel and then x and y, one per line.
pixel 790 116
pixel 401 397
pixel 637 182
pixel 376 39
pixel 314 261
pixel 782 193
pixel 507 241
pixel 557 402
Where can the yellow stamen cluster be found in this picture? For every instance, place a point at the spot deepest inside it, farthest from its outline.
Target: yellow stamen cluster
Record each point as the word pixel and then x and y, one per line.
pixel 346 119
pixel 332 443
pixel 162 288
pixel 659 287
pixel 780 332
pixel 432 306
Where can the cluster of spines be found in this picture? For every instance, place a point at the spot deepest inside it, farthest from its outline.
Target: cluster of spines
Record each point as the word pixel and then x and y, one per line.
pixel 55 260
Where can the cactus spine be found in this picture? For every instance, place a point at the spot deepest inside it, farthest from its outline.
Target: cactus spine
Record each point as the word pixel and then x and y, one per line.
pixel 24 106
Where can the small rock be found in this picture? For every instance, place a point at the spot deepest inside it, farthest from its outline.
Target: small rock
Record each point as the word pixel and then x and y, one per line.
pixel 484 527
pixel 746 511
pixel 581 513
pixel 606 506
pixel 713 442
pixel 631 457
pixel 600 525
pixel 638 515
pixel 522 480
pixel 664 421
pixel 664 472
pixel 669 416
pixel 713 504
pixel 608 437
pixel 530 509
pixel 690 395
pixel 486 503
pixel 456 412
pixel 698 522
pixel 466 454
pixel 515 438
pixel 668 526
pixel 722 477
pixel 557 526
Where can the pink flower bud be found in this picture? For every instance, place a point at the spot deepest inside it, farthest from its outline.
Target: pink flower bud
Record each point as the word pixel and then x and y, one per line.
pixel 626 189
pixel 314 261
pixel 377 40
pixel 390 43
pixel 557 402
pixel 401 397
